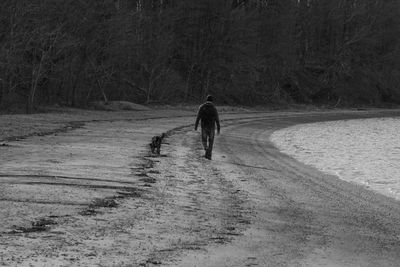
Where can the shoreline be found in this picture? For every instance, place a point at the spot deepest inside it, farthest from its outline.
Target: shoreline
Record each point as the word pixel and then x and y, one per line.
pixel 334 140
pixel 20 126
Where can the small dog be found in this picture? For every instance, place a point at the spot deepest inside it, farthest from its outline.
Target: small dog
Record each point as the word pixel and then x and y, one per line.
pixel 156 142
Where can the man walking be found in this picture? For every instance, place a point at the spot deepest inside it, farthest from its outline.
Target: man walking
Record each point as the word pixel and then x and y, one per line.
pixel 208 115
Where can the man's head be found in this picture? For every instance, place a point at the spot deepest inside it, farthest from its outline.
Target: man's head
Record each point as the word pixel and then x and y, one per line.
pixel 210 98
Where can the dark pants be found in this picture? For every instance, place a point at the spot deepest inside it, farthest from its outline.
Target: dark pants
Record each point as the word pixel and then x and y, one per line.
pixel 207 138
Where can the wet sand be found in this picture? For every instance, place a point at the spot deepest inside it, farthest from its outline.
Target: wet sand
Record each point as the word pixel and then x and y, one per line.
pixel 108 202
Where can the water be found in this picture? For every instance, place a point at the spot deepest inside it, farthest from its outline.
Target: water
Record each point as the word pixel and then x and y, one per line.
pixel 365 151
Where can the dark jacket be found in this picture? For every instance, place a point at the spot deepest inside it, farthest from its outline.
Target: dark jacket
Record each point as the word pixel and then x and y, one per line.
pixel 208 115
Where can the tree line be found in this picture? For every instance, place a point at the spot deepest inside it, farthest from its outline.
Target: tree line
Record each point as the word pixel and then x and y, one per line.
pixel 72 52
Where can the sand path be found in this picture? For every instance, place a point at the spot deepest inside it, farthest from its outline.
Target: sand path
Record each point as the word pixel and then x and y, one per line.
pixel 93 196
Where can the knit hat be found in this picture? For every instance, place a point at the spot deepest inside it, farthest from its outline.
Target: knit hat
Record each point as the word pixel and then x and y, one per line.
pixel 210 98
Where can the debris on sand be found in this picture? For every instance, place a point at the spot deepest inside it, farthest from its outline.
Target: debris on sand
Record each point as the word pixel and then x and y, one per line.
pixel 42 224
pixel 149 180
pixel 153 261
pixel 131 192
pixel 92 209
pixel 104 203
pixel 88 212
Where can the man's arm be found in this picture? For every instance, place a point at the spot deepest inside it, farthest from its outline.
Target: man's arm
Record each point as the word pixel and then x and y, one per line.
pixel 217 121
pixel 197 120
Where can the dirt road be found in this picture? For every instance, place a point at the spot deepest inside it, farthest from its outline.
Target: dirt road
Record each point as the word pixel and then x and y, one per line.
pixel 93 196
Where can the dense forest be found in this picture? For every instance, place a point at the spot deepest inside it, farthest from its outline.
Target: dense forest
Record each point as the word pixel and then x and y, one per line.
pixel 73 52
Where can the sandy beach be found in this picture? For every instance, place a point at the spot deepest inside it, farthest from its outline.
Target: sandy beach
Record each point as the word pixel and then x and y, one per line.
pixel 81 188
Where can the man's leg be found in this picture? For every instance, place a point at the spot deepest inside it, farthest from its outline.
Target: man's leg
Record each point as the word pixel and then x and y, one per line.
pixel 211 134
pixel 204 138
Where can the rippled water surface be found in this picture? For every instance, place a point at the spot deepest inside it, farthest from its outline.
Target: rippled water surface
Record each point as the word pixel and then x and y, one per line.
pixel 365 151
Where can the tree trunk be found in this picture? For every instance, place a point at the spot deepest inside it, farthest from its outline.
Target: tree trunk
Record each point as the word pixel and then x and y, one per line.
pixel 1 92
pixel 188 82
pixel 36 73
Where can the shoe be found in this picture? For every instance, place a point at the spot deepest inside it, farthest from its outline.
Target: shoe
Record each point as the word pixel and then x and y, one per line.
pixel 208 155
